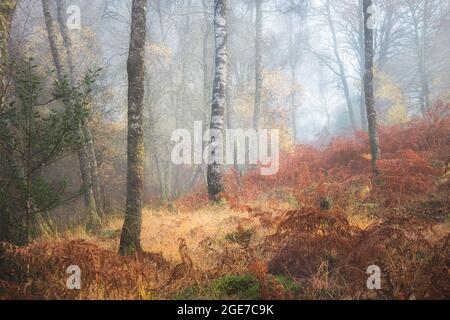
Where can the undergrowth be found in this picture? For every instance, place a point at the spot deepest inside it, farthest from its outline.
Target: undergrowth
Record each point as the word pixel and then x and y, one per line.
pixel 309 232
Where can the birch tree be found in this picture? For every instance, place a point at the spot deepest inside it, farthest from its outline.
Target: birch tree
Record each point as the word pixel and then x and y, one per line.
pixel 215 165
pixel 90 149
pixel 368 87
pixel 130 239
pixel 93 220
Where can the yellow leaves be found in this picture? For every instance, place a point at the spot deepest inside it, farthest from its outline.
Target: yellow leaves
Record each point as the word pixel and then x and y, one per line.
pixel 366 156
pixel 85 48
pixel 398 114
pixel 286 139
pixel 392 92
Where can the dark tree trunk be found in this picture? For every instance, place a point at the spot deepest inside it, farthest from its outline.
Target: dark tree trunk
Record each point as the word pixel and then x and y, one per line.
pixel 130 241
pixel 215 165
pixel 368 88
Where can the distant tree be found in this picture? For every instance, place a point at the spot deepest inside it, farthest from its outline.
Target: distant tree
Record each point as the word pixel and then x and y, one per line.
pixel 230 104
pixel 424 21
pixel 333 58
pixel 130 242
pixel 215 165
pixel 90 149
pixel 296 10
pixel 368 87
pixel 93 220
pixel 258 62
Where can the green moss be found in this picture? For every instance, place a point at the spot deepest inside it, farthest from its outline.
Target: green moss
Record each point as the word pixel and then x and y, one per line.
pixel 241 287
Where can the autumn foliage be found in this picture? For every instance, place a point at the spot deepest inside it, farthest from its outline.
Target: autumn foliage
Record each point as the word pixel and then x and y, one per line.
pixel 318 244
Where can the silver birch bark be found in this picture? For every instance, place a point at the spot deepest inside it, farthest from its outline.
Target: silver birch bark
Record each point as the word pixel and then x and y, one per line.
pixel 215 165
pixel 368 88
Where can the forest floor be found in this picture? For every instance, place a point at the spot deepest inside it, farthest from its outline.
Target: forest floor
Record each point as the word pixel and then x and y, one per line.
pixel 310 232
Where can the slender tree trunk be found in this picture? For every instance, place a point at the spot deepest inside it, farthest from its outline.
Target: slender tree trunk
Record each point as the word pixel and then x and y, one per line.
pixel 293 62
pixel 368 87
pixel 420 26
pixel 205 63
pixel 93 221
pixel 215 165
pixel 90 147
pixel 57 60
pixel 67 40
pixel 130 241
pixel 95 176
pixel 362 99
pixel 342 72
pixel 362 103
pixel 258 63
pixel 385 42
pixel 163 182
pixel 425 84
pixel 231 111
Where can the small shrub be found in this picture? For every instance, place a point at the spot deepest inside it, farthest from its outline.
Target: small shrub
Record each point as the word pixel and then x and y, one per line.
pixel 242 287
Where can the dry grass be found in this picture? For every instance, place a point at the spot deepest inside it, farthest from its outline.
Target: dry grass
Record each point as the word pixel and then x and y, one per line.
pixel 162 229
pixel 320 223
